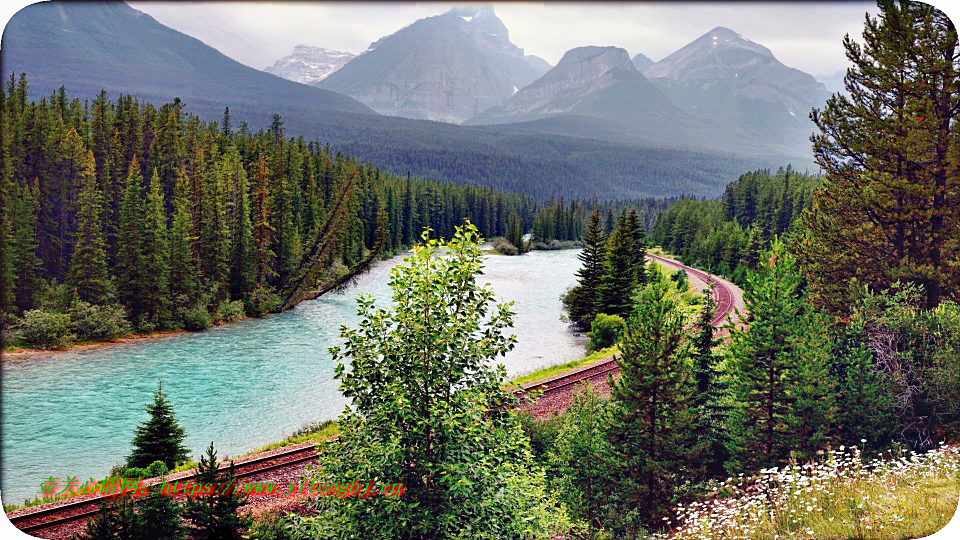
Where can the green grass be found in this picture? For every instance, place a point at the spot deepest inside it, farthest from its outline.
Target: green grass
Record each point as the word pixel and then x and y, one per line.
pixel 553 371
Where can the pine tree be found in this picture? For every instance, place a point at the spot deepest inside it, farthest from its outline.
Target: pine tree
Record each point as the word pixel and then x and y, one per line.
pixel 158 517
pixel 183 276
pixel 88 265
pixel 619 281
pixel 215 516
pixel 239 218
pixel 652 415
pixel 583 302
pixel 710 389
pixel 639 245
pixel 889 208
pixel 22 248
pixel 128 264
pixel 155 255
pixel 261 228
pixel 160 438
pixel 778 370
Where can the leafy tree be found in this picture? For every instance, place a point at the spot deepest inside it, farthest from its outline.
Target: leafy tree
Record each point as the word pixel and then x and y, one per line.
pixel 606 330
pixel 429 410
pixel 651 405
pixel 88 265
pixel 215 516
pixel 160 438
pixel 890 206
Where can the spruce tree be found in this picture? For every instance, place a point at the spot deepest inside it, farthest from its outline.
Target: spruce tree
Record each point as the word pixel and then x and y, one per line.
pixel 583 302
pixel 128 265
pixel 619 281
pixel 155 255
pixel 216 516
pixel 710 388
pixel 778 369
pixel 262 231
pixel 183 278
pixel 650 425
pixel 24 266
pixel 88 265
pixel 160 438
pixel 639 245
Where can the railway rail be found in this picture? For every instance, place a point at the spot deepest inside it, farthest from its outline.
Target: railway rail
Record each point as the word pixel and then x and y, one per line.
pixel 60 513
pixel 66 511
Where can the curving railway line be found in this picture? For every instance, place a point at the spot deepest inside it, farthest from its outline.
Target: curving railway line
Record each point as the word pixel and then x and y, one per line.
pixel 59 519
pixel 556 394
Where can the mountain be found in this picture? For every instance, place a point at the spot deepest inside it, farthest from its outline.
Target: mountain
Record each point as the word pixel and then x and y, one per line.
pixel 611 100
pixel 641 62
pixel 89 46
pixel 726 77
pixel 309 64
pixel 448 67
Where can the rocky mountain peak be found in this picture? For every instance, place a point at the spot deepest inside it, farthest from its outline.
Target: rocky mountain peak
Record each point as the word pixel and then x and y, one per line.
pixel 716 52
pixel 308 64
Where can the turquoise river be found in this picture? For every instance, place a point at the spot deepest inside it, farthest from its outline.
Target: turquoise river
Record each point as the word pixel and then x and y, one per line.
pixel 241 385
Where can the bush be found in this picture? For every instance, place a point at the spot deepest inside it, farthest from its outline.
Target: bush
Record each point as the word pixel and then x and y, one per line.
pixel 605 331
pixel 46 329
pixel 263 301
pixel 54 297
pixel 157 468
pixel 136 472
pixel 680 278
pixel 505 247
pixel 196 318
pixel 272 526
pixel 98 323
pixel 229 311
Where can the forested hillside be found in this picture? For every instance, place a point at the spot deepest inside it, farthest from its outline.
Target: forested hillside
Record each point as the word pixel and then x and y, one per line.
pixel 728 235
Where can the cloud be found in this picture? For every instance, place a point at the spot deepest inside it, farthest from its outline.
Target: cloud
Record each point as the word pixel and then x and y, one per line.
pixel 807 36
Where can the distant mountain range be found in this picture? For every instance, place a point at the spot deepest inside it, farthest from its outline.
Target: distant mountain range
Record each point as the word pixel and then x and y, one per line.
pixel 89 46
pixel 585 148
pixel 729 78
pixel 309 64
pixel 449 68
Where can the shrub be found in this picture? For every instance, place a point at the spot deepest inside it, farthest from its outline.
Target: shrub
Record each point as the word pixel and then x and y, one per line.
pixel 272 526
pixel 196 318
pixel 136 472
pixel 98 323
pixel 263 301
pixel 46 329
pixel 229 311
pixel 605 331
pixel 505 247
pixel 157 468
pixel 54 297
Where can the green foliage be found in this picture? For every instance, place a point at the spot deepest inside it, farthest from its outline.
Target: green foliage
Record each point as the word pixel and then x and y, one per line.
pixel 653 447
pixel 45 329
pixel 888 209
pixel 429 410
pixel 160 438
pixel 263 301
pixel 605 331
pixel 98 323
pixel 229 311
pixel 216 516
pixel 272 525
pixel 583 301
pixel 196 318
pixel 915 350
pixel 619 280
pixel 779 371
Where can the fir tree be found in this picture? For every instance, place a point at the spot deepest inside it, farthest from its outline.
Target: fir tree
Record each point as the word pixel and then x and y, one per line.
pixel 650 425
pixel 154 255
pixel 261 228
pixel 639 245
pixel 88 265
pixel 619 281
pixel 710 390
pixel 583 301
pixel 216 516
pixel 160 438
pixel 183 279
pixel 778 371
pixel 128 264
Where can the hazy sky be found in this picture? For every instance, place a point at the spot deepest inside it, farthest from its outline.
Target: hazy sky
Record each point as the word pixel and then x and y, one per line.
pixel 806 36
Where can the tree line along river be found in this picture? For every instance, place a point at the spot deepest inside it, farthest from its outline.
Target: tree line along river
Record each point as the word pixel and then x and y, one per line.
pixel 241 385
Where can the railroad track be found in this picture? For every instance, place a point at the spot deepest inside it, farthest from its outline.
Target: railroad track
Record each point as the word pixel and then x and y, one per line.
pixel 725 303
pixel 74 510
